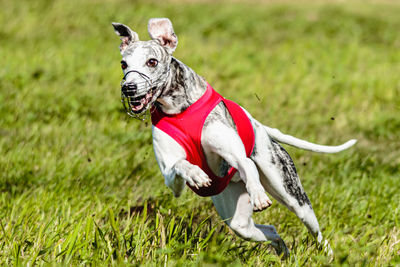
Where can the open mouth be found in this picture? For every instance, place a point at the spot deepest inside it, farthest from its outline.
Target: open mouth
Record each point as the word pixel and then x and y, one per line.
pixel 134 105
pixel 139 104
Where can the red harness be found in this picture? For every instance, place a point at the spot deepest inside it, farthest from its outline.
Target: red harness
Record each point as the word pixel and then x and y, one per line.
pixel 186 127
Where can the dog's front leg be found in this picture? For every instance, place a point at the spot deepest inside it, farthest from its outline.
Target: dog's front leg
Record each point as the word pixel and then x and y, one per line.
pixel 168 152
pixel 192 174
pixel 171 159
pixel 220 139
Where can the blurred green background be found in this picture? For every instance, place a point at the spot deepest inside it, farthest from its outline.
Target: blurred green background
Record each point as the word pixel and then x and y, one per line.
pixel 79 184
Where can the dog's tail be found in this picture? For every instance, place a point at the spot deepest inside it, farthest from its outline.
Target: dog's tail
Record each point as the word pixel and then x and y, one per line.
pixel 296 142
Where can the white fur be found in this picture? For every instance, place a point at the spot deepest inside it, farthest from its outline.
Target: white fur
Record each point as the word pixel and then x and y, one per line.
pixel 296 142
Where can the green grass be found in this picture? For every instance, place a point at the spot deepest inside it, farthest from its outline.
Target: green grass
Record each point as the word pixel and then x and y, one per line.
pixel 79 184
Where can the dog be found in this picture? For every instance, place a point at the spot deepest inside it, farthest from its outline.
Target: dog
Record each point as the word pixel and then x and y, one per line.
pixel 235 172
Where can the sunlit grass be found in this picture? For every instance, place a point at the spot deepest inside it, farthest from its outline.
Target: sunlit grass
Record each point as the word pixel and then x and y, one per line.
pixel 78 180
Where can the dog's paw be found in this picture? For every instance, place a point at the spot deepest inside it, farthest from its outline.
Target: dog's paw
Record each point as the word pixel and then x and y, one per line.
pixel 196 177
pixel 260 200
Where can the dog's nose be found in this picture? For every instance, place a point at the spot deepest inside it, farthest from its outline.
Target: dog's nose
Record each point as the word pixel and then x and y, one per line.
pixel 129 89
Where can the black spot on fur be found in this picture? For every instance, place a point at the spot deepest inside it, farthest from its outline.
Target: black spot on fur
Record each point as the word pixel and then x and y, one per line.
pixel 122 30
pixel 291 179
pixel 220 113
pixel 273 160
pixel 223 168
pixel 255 152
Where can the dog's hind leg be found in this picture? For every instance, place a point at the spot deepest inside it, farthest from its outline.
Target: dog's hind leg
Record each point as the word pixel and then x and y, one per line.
pixel 279 178
pixel 234 207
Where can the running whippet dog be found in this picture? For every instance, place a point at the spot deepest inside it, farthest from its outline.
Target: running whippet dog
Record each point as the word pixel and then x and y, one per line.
pixel 209 143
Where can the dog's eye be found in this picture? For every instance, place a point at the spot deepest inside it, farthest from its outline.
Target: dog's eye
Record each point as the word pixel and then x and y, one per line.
pixel 124 65
pixel 152 62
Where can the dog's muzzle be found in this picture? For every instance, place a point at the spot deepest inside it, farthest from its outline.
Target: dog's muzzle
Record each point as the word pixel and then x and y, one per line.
pixel 136 97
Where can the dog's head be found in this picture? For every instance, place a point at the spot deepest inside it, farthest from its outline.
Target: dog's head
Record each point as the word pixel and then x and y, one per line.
pixel 146 64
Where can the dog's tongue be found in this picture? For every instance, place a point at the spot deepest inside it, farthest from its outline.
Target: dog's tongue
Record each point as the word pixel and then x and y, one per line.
pixel 144 101
pixel 137 108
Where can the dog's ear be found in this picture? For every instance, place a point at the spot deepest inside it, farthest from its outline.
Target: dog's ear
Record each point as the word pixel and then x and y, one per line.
pixel 161 30
pixel 127 35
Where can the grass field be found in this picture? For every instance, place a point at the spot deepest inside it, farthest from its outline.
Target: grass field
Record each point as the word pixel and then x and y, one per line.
pixel 79 184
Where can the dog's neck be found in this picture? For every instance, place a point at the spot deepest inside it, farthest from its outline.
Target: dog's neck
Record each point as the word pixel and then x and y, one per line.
pixel 183 88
